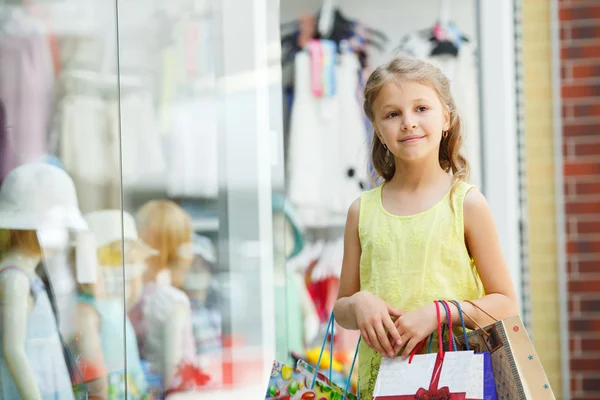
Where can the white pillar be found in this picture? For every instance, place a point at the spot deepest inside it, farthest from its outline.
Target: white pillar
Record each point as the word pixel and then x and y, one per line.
pixel 499 125
pixel 245 151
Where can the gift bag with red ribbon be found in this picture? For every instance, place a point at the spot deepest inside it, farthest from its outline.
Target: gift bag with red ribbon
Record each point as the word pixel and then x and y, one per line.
pixel 442 376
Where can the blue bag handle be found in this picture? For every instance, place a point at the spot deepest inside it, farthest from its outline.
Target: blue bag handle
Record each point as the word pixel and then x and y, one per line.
pixel 331 325
pixel 462 323
pixel 350 374
pixel 429 347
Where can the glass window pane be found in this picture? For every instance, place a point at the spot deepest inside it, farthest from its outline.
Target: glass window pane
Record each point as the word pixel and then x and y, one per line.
pixel 202 175
pixel 60 215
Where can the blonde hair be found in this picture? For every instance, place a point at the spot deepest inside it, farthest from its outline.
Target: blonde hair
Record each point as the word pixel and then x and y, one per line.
pixel 24 240
pixel 402 69
pixel 164 226
pixel 109 256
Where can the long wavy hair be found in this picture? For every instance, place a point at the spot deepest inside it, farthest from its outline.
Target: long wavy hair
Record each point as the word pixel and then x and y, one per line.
pixel 402 69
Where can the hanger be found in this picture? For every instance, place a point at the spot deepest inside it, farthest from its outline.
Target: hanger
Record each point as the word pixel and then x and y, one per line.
pixel 327 16
pixel 331 25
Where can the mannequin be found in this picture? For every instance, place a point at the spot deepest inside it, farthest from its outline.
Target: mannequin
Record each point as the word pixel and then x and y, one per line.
pixel 99 307
pixel 161 317
pixel 37 205
pixel 199 285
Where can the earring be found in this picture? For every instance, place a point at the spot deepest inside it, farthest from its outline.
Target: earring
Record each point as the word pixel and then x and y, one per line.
pixel 445 134
pixel 384 146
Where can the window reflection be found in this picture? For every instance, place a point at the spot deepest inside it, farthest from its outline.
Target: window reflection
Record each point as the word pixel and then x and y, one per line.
pixel 135 219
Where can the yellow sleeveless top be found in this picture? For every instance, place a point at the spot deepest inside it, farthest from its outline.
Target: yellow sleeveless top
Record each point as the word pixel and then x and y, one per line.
pixel 410 261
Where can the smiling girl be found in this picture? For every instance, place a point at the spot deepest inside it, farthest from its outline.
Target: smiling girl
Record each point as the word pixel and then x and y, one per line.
pixel 425 233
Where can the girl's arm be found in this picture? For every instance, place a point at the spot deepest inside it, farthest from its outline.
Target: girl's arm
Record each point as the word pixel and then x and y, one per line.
pixel 350 277
pixel 356 309
pixel 482 241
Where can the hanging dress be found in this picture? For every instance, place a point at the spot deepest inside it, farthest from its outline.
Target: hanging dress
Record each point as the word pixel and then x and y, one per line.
pixel 328 153
pixel 313 149
pixel 353 161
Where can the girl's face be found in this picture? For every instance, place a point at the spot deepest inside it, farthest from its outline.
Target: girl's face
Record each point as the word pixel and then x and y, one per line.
pixel 410 119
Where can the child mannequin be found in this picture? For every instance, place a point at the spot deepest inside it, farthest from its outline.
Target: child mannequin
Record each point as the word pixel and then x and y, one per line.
pixel 99 309
pixel 161 317
pixel 37 204
pixel 206 318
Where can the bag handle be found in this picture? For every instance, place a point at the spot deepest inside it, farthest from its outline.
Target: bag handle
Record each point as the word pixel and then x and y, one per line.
pixel 482 310
pixel 330 324
pixel 420 346
pixel 350 373
pixel 475 322
pixel 451 340
pixel 462 323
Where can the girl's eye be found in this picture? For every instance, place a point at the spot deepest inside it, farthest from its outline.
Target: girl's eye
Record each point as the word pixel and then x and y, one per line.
pixel 392 115
pixel 422 109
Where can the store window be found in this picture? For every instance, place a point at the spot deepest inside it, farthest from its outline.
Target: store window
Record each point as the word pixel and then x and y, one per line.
pixel 143 222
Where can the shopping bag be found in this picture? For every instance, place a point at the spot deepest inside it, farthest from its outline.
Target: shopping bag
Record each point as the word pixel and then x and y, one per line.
pixel 323 384
pixel 305 382
pixel 518 372
pixel 482 385
pixel 441 376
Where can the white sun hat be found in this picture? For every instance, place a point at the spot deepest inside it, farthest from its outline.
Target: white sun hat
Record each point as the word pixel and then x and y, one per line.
pixel 39 196
pixel 109 226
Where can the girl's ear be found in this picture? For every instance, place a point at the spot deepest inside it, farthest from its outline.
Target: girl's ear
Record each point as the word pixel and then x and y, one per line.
pixel 447 118
pixel 377 135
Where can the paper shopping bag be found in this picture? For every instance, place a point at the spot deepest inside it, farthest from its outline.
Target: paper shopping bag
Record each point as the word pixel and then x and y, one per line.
pixel 442 376
pixel 518 372
pixel 324 386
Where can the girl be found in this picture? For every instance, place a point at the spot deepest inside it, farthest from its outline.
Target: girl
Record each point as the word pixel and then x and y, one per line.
pixel 425 233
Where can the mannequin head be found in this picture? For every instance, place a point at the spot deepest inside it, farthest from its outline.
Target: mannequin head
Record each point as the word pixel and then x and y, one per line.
pixel 118 254
pixel 38 206
pixel 164 226
pixel 113 266
pixel 24 242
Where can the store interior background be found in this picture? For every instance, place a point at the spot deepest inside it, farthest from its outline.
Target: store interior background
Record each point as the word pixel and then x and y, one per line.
pixel 185 100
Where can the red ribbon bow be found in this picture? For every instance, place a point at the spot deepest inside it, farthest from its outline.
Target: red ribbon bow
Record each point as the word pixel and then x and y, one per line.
pixel 438 394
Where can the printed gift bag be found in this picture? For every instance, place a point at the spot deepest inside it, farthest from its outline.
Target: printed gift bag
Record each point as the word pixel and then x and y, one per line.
pixel 323 384
pixel 517 369
pixel 305 382
pixel 452 375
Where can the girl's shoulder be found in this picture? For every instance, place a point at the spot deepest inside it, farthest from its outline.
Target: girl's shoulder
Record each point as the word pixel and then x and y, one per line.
pixel 369 198
pixel 371 194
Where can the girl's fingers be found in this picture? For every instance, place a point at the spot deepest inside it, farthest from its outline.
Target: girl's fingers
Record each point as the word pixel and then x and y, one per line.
pixel 384 341
pixel 392 332
pixel 365 337
pixel 374 341
pixel 410 346
pixel 398 347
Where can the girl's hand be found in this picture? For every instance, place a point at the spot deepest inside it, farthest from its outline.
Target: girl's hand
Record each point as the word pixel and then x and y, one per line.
pixel 414 327
pixel 374 319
